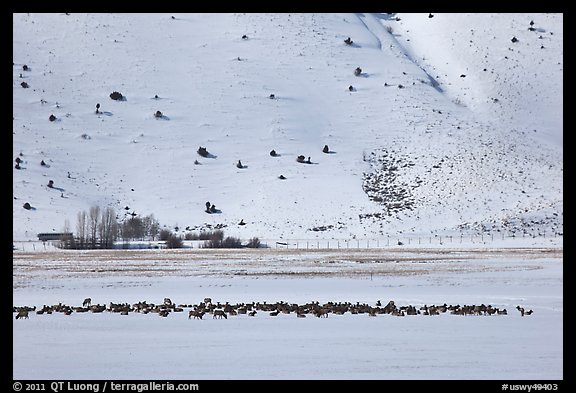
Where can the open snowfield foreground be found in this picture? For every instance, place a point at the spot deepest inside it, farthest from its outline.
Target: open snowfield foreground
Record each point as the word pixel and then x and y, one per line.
pixel 108 345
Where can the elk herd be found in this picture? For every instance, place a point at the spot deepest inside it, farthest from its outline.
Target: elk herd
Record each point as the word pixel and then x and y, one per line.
pixel 220 310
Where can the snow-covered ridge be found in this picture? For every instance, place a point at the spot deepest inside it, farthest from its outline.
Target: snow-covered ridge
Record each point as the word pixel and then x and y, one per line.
pixel 479 152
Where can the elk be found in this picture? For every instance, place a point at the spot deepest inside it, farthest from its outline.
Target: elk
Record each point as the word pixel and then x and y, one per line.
pixel 87 302
pixel 241 310
pixel 197 314
pixel 22 314
pixel 521 309
pixel 219 314
pixel 97 308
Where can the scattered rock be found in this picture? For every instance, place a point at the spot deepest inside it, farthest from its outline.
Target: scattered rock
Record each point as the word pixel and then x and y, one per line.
pixel 116 96
pixel 203 152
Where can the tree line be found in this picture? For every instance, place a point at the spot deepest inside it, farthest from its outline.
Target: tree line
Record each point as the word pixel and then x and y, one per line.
pixel 100 228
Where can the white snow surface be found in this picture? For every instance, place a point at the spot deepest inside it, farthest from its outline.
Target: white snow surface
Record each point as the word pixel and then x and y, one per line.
pixel 263 347
pixel 452 131
pixel 439 155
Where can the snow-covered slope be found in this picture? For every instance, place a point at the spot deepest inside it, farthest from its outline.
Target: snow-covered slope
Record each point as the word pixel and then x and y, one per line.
pixel 415 146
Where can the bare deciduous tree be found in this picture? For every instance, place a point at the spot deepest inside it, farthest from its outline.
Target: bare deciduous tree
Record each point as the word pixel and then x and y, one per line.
pixel 108 228
pixel 82 228
pixel 93 221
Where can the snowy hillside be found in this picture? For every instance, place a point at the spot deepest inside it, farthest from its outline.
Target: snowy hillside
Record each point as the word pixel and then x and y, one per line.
pixel 450 126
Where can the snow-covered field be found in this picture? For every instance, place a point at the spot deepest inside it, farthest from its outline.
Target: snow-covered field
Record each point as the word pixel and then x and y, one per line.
pixel 415 147
pixel 138 346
